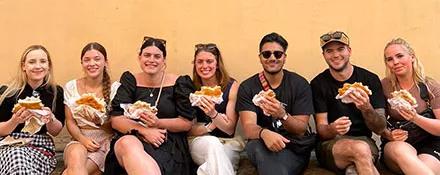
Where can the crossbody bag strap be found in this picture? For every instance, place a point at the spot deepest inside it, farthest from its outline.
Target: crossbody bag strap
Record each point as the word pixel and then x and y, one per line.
pixel 263 81
pixel 424 94
pixel 266 87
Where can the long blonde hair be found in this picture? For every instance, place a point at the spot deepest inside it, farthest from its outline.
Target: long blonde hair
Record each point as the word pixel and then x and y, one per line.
pixel 17 84
pixel 418 73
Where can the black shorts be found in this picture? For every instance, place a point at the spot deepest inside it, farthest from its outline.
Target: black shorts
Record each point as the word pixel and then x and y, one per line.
pixel 431 147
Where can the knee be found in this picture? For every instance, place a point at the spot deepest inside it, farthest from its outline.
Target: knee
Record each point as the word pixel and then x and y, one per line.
pixel 125 144
pixel 361 150
pixel 211 142
pixel 396 149
pixel 75 153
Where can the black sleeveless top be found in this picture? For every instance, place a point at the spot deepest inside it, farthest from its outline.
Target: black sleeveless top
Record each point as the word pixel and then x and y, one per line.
pixel 221 108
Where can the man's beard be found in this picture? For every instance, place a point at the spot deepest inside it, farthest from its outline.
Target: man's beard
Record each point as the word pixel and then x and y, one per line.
pixel 273 72
pixel 343 67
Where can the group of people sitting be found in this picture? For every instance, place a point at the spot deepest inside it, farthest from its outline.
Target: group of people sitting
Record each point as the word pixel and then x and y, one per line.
pixel 156 122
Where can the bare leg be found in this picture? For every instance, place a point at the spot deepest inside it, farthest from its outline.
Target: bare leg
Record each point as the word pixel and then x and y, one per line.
pixel 402 156
pixel 92 168
pixel 131 155
pixel 430 161
pixel 75 157
pixel 357 152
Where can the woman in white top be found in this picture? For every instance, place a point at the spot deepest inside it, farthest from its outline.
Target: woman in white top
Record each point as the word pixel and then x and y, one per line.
pixel 91 142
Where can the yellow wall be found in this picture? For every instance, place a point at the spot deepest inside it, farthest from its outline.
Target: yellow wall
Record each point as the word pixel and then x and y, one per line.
pixel 235 25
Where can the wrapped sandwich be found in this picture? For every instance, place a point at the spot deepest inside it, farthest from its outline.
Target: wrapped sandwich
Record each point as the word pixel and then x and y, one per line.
pixel 89 110
pixel 263 94
pixel 28 103
pixel 34 105
pixel 402 99
pixel 134 110
pixel 211 93
pixel 9 140
pixel 347 88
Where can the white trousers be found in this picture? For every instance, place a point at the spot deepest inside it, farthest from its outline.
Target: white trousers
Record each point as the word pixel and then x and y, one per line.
pixel 215 156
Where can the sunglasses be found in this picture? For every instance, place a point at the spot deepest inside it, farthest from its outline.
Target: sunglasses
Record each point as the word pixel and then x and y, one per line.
pixel 205 46
pixel 277 54
pixel 335 35
pixel 146 38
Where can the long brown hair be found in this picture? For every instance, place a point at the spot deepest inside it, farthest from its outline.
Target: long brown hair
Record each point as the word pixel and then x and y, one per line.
pixel 106 81
pixel 221 74
pixel 17 84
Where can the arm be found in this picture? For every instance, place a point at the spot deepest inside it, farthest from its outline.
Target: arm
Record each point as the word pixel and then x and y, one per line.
pixel 72 126
pixel 274 142
pixel 7 127
pixel 296 124
pixel 249 123
pixel 325 131
pixel 429 125
pixel 124 125
pixel 19 117
pixel 198 129
pixel 227 122
pixel 54 127
pixel 374 118
pixel 178 124
pixel 328 131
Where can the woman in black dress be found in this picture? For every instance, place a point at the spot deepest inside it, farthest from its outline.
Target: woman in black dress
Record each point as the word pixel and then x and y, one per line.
pixel 160 147
pixel 34 79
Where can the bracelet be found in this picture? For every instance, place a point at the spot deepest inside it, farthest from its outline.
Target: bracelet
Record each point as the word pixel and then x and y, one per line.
pixel 214 116
pixel 259 133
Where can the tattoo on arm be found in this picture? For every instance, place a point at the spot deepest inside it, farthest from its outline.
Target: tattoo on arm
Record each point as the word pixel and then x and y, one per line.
pixel 375 119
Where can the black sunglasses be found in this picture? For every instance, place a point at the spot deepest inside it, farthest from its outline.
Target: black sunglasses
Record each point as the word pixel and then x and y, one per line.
pixel 277 54
pixel 205 46
pixel 328 37
pixel 156 39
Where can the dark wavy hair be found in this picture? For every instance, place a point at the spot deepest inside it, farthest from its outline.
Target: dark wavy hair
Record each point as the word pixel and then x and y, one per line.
pixel 274 37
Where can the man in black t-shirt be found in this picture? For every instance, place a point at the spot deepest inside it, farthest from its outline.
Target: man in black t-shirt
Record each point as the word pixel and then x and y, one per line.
pixel 268 124
pixel 346 128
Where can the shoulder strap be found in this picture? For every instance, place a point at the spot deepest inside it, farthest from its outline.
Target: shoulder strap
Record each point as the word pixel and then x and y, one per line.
pixel 424 94
pixel 263 81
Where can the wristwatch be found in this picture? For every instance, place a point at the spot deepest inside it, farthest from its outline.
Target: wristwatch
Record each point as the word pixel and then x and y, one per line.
pixel 284 118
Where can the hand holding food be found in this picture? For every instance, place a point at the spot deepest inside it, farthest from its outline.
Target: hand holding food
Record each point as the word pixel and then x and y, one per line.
pixel 347 89
pixel 402 99
pixel 89 110
pixel 34 109
pixel 259 98
pixel 211 93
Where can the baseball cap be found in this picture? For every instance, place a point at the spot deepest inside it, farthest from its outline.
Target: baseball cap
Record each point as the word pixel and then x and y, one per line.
pixel 334 36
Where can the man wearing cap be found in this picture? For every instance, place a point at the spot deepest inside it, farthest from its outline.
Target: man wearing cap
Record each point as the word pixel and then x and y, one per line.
pixel 268 120
pixel 345 128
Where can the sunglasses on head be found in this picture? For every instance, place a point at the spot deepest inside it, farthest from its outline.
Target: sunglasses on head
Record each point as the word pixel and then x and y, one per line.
pixel 329 36
pixel 205 46
pixel 277 54
pixel 146 38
